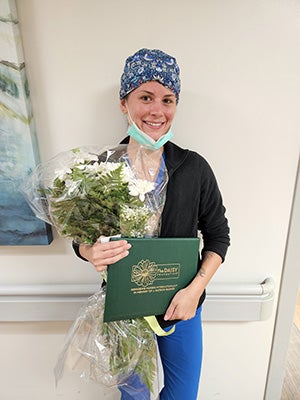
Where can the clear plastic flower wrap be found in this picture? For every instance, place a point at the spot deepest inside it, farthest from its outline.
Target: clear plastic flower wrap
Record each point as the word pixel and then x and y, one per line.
pixel 116 354
pixel 90 192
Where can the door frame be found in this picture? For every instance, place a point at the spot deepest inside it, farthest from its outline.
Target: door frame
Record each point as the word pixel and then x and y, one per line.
pixel 286 301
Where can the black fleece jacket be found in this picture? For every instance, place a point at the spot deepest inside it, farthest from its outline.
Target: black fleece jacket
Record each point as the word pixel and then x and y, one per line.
pixel 193 204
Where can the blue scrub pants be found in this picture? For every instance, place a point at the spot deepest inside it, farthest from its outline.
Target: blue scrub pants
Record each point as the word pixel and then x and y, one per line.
pixel 181 356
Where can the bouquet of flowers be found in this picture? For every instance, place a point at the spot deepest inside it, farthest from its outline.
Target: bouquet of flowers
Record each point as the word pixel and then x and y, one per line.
pixel 87 193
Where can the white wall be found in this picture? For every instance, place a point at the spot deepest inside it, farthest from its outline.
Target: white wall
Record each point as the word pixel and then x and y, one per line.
pixel 239 108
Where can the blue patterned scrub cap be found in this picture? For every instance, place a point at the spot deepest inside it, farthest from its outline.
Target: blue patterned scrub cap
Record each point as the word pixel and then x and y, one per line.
pixel 150 65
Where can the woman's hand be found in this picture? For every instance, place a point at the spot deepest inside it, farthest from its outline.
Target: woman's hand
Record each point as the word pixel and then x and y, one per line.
pixel 103 254
pixel 183 305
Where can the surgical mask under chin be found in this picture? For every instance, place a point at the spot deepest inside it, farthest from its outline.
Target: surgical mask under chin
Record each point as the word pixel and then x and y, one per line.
pixel 142 138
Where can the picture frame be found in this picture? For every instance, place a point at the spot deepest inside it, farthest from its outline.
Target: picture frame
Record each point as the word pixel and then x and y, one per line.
pixel 19 153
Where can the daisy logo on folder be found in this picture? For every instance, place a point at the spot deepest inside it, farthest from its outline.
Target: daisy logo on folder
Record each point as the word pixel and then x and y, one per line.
pixel 146 272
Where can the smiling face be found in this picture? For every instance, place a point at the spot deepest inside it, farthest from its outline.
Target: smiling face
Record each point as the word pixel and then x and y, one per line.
pixel 152 107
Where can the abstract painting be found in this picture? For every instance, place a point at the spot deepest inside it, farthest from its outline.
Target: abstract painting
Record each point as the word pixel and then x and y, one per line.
pixel 18 142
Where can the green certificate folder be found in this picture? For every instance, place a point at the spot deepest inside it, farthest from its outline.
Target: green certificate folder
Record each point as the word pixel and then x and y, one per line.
pixel 144 282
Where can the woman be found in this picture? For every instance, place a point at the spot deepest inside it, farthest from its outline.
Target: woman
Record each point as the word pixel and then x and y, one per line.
pixel 149 93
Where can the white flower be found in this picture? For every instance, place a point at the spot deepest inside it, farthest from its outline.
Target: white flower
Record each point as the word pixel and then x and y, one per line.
pixel 140 187
pixel 126 174
pixel 62 173
pixel 83 157
pixel 93 168
pixel 107 167
pixel 111 166
pixel 81 166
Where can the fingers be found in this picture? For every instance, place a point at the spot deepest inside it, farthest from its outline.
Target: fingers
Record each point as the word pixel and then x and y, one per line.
pixel 169 313
pixel 104 254
pixel 113 245
pixel 182 307
pixel 175 313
